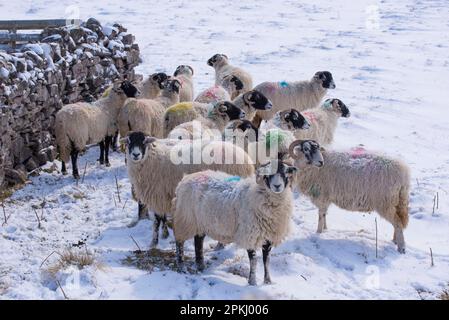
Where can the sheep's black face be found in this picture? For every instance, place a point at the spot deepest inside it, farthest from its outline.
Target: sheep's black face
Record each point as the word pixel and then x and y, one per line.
pixel 137 144
pixel 129 89
pixel 216 58
pixel 337 106
pixel 311 150
pixel 160 78
pixel 238 84
pixel 173 86
pixel 294 120
pixel 183 69
pixel 326 78
pixel 257 100
pixel 278 178
pixel 231 110
pixel 251 132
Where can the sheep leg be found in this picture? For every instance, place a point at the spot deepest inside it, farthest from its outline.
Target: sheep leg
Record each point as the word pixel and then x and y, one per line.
pixel 156 224
pixel 101 152
pixel 143 211
pixel 107 142
pixel 114 142
pixel 266 248
pixel 63 168
pixel 219 246
pixel 199 257
pixel 399 237
pixel 252 267
pixel 257 120
pixel 165 232
pixel 322 211
pixel 74 156
pixel 180 256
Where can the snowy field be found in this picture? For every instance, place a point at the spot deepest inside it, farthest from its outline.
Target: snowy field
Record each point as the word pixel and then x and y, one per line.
pixel 390 63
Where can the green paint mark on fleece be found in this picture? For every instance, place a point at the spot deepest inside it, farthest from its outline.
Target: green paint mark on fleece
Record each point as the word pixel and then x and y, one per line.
pixel 233 179
pixel 274 137
pixel 314 191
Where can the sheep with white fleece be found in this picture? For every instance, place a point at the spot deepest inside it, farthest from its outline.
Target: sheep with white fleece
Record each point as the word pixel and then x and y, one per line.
pixel 249 102
pixel 323 121
pixel 81 123
pixel 223 69
pixel 146 115
pixel 155 167
pixel 300 95
pixel 184 74
pixel 252 213
pixel 355 180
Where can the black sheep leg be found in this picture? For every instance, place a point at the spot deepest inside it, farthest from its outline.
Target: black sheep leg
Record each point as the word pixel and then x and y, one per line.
pixel 101 152
pixel 165 232
pixel 107 142
pixel 156 224
pixel 180 255
pixel 143 211
pixel 74 156
pixel 114 142
pixel 266 248
pixel 199 257
pixel 252 267
pixel 63 168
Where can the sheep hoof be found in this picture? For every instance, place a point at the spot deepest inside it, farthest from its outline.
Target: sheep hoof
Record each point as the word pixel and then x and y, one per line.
pixel 76 176
pixel 101 161
pixel 64 173
pixel 219 246
pixel 108 164
pixel 200 266
pixel 267 281
pixel 252 282
pixel 154 244
pixel 181 268
pixel 401 250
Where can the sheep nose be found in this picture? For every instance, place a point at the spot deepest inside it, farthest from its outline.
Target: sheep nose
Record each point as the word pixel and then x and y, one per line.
pixel 136 155
pixel 277 186
pixel 242 115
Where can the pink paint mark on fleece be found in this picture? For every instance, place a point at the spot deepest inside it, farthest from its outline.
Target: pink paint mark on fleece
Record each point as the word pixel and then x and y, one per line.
pixel 309 116
pixel 201 178
pixel 357 152
pixel 211 93
pixel 270 87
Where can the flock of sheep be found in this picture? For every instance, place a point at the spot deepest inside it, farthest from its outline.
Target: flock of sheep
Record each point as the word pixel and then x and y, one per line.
pixel 273 133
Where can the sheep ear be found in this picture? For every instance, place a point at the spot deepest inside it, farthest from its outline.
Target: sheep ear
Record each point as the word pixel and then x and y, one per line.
pixel 191 69
pixel 290 170
pixel 148 140
pixel 322 149
pixel 224 56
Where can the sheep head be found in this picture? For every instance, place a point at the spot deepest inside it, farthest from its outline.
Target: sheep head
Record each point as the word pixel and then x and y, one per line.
pixel 306 152
pixel 275 175
pixel 337 106
pixel 137 143
pixel 217 60
pixel 325 79
pixel 291 120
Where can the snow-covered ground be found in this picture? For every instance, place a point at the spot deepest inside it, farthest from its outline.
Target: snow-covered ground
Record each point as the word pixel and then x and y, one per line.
pixel 391 66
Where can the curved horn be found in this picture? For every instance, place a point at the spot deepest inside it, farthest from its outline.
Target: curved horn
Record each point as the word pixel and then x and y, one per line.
pixel 291 149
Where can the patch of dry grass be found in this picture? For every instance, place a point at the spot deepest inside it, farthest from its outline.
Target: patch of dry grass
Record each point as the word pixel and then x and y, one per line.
pixel 73 257
pixel 156 259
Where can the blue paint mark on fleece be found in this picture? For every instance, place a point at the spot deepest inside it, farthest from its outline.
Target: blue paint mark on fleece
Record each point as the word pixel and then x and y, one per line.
pixel 233 179
pixel 283 84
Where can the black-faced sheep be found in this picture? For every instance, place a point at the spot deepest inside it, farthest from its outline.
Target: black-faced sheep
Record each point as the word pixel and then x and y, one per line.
pixel 252 213
pixel 80 124
pixel 249 102
pixel 211 126
pixel 146 115
pixel 155 167
pixel 223 69
pixel 184 74
pixel 356 181
pixel 323 121
pixel 300 95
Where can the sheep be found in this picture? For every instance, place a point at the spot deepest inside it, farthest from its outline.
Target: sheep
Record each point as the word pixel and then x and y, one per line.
pixel 149 89
pixel 213 95
pixel 323 122
pixel 80 124
pixel 202 127
pixel 184 74
pixel 355 180
pixel 249 102
pixel 300 95
pixel 274 142
pixel 223 69
pixel 253 212
pixel 147 114
pixel 155 167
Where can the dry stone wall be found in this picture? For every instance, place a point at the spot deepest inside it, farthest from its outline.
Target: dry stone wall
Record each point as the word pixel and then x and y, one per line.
pixel 70 64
